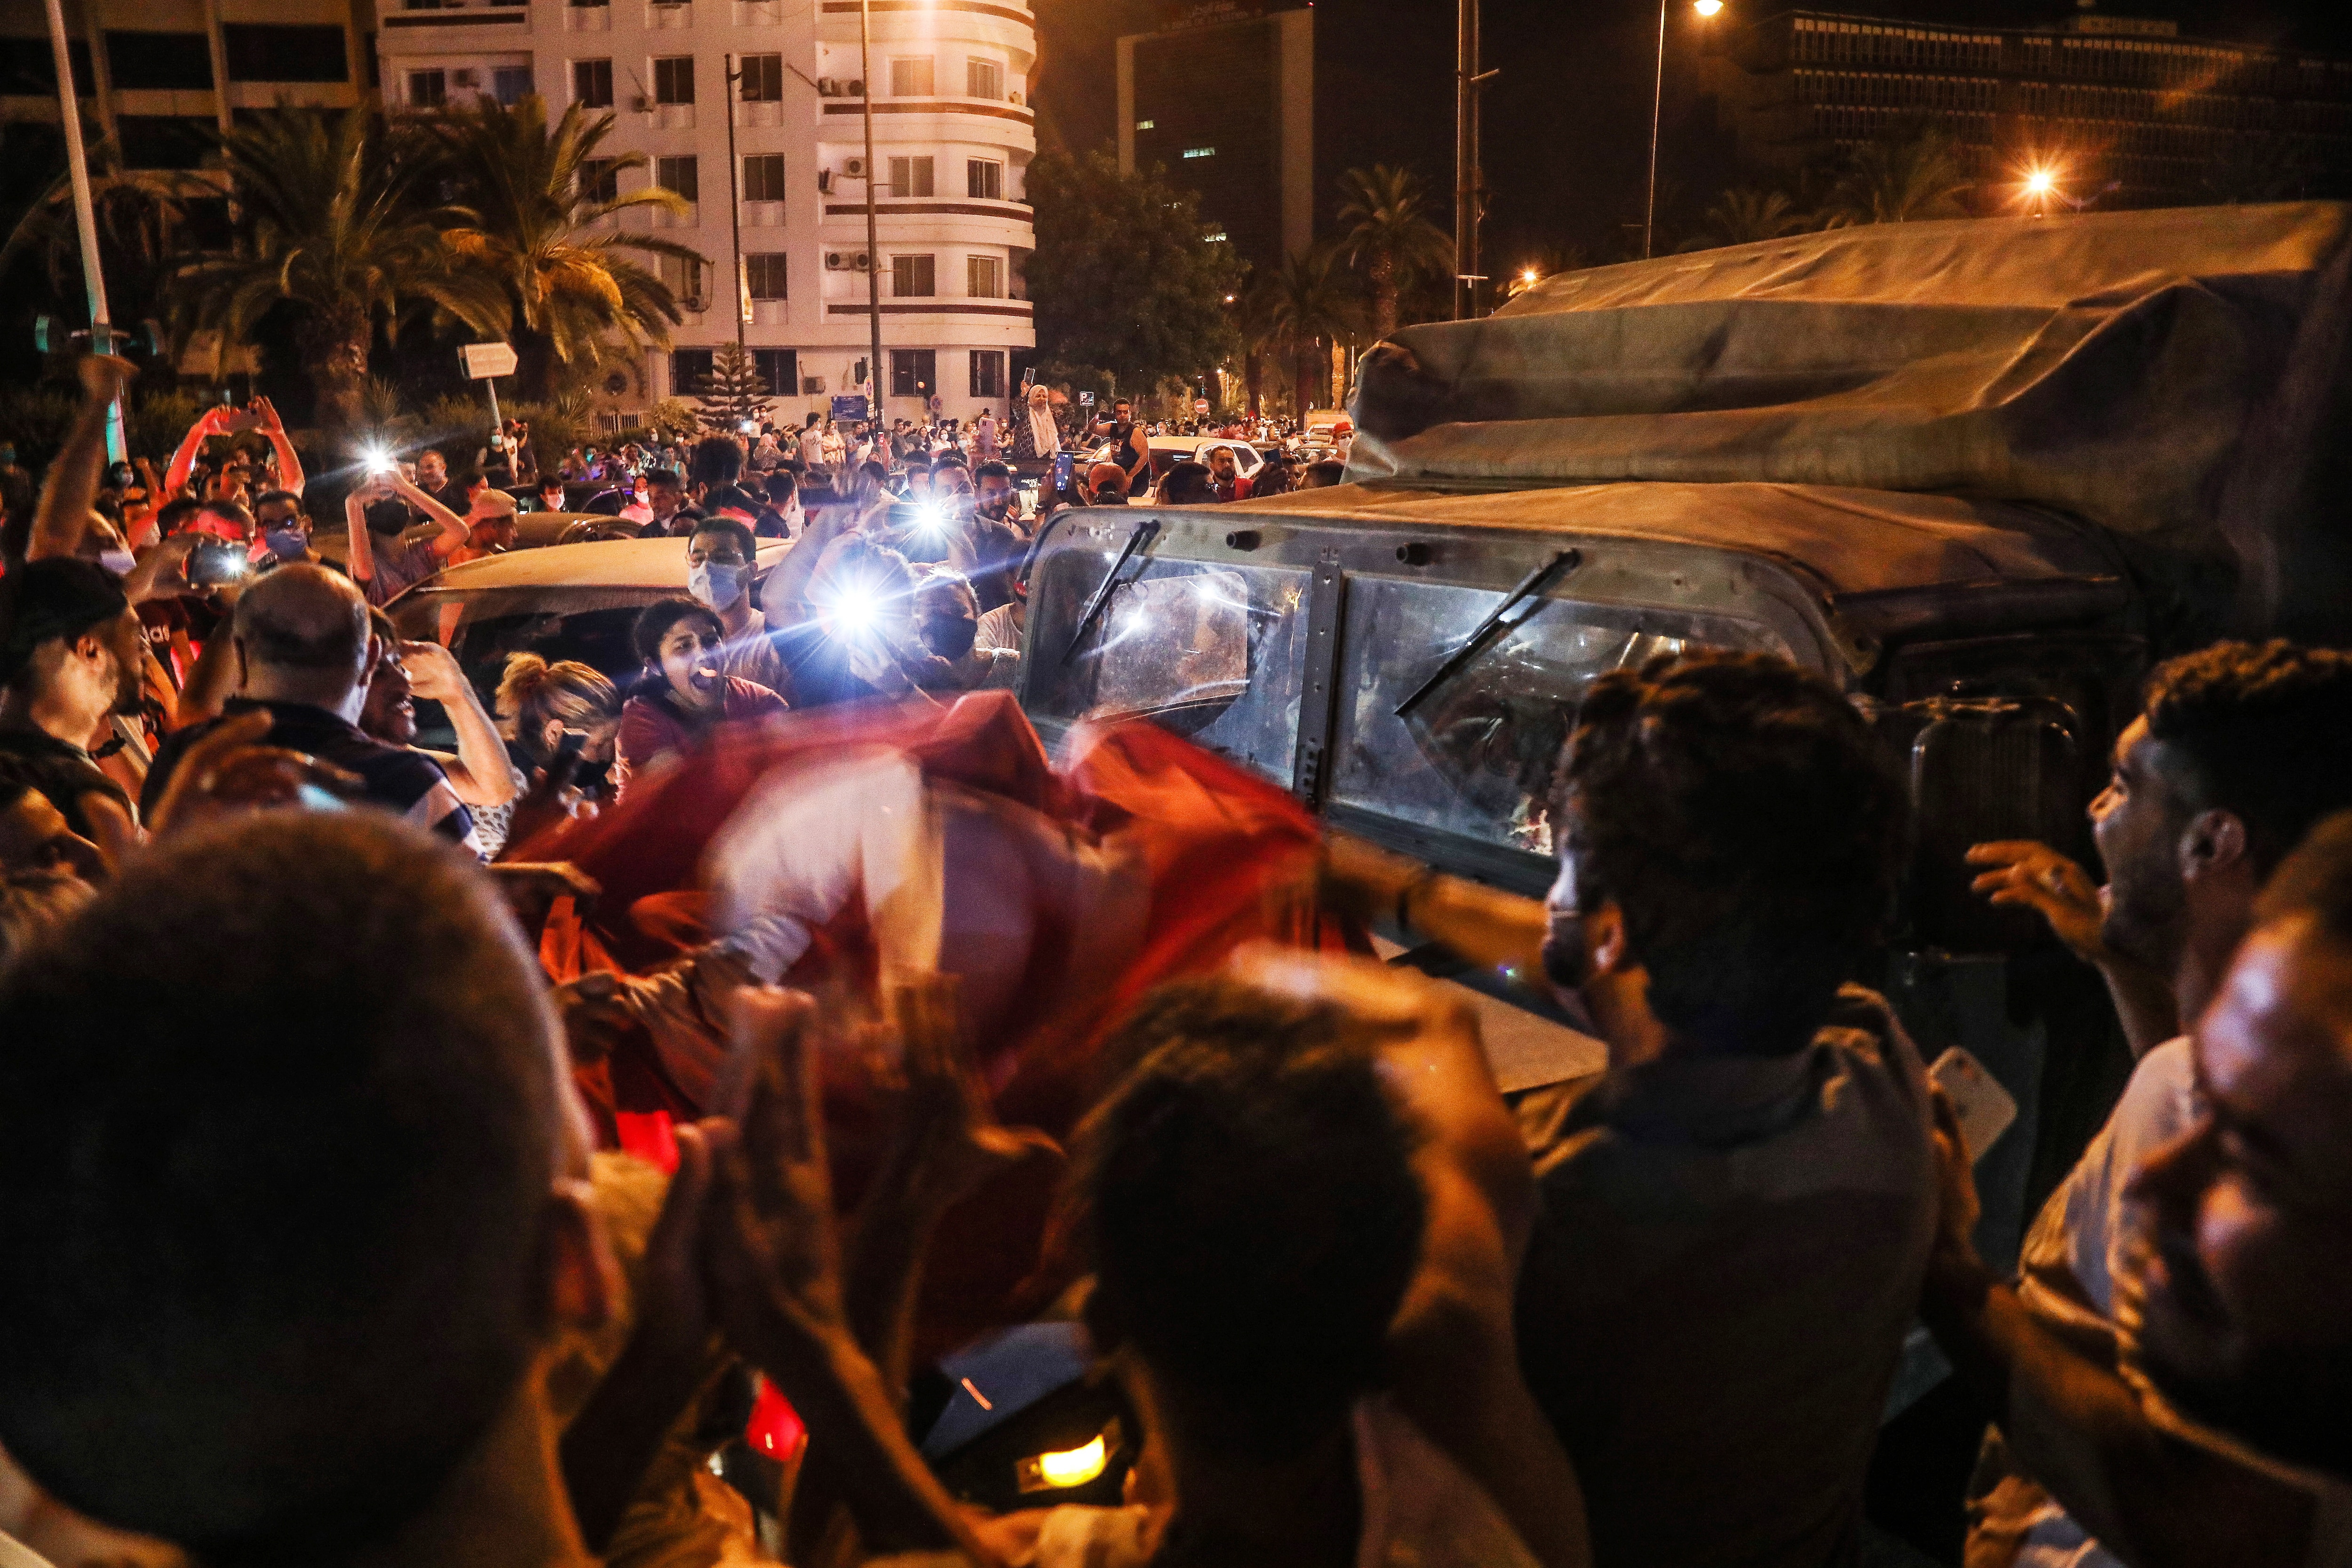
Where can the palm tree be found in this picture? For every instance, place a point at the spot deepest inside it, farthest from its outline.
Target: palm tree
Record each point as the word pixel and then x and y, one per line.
pixel 1308 304
pixel 1384 230
pixel 1255 322
pixel 1920 176
pixel 336 230
pixel 532 217
pixel 1746 215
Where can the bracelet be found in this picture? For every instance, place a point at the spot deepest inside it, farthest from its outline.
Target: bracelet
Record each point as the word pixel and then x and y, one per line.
pixel 1421 879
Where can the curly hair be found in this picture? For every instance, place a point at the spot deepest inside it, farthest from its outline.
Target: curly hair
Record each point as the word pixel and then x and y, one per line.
pixel 2266 731
pixel 1250 1204
pixel 1739 812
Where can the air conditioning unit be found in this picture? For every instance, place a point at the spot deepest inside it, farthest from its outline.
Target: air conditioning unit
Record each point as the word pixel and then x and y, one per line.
pixel 863 261
pixel 465 79
pixel 854 88
pixel 1015 100
pixel 835 261
pixel 812 383
pixel 854 168
pixel 828 87
pixel 825 180
pixel 643 103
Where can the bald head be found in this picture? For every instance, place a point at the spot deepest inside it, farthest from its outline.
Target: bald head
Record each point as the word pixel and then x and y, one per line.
pixel 303 631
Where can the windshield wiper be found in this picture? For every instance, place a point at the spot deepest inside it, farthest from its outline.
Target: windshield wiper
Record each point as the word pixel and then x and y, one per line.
pixel 1494 624
pixel 1145 532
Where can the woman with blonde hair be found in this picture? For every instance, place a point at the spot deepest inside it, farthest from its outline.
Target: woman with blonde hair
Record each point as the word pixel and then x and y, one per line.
pixel 539 703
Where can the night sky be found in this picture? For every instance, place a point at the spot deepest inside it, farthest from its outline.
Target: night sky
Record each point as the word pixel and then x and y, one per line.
pixel 1567 124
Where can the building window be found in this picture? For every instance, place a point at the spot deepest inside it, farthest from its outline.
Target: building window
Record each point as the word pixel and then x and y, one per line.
pixel 913 278
pixel 763 78
pixel 910 176
pixel 683 175
pixel 689 369
pixel 988 372
pixel 428 89
pixel 673 80
pixel 763 274
pixel 983 180
pixel 161 140
pixel 27 68
pixel 592 83
pixel 257 52
pixel 1200 152
pixel 912 79
pixel 984 78
pixel 780 368
pixel 168 62
pixel 589 4
pixel 984 276
pixel 763 177
pixel 510 84
pixel 683 277
pixel 914 373
pixel 1146 124
pixel 600 179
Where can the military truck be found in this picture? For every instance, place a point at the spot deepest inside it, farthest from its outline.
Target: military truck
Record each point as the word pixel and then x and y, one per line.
pixel 1977 473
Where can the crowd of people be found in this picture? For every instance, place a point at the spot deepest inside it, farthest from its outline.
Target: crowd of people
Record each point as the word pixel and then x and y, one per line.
pixel 339 1231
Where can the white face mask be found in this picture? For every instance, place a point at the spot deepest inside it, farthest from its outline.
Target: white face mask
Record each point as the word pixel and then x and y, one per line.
pixel 715 586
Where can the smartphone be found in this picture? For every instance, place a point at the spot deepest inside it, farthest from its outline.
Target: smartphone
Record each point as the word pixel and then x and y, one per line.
pixel 1061 470
pixel 216 561
pixel 1986 1109
pixel 243 419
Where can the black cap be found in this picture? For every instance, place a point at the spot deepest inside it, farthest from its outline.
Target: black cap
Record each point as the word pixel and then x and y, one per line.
pixel 57 597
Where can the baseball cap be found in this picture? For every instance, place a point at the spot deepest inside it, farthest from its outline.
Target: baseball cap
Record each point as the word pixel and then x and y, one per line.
pixel 57 596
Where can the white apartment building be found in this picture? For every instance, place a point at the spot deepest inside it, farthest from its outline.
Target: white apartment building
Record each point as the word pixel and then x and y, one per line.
pixel 953 134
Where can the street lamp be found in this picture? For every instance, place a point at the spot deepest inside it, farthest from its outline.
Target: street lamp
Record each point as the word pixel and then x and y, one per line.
pixel 1706 10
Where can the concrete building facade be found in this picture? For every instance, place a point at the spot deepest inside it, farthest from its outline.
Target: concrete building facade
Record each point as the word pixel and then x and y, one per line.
pixel 952 140
pixel 2124 110
pixel 1224 101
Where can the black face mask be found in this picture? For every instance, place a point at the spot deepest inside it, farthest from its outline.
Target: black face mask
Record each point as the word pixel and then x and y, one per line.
pixel 949 636
pixel 589 778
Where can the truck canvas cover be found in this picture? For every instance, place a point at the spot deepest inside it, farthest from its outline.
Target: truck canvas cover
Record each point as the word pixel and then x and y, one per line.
pixel 2178 378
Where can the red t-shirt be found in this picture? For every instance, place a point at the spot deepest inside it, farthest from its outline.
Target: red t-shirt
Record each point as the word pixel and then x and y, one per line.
pixel 654 726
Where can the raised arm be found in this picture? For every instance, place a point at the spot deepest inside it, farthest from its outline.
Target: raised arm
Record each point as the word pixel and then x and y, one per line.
pixel 1494 930
pixel 192 445
pixel 2022 873
pixel 452 526
pixel 480 772
pixel 273 428
pixel 361 556
pixel 777 1284
pixel 70 486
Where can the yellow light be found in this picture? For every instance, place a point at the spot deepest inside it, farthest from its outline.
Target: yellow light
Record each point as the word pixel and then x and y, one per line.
pixel 2039 181
pixel 1529 276
pixel 1072 1467
pixel 1709 7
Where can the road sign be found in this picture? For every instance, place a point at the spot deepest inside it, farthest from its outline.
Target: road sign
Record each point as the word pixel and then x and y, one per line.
pixel 1200 406
pixel 849 410
pixel 486 360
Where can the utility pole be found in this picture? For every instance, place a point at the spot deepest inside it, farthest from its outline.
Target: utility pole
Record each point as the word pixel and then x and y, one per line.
pixel 101 334
pixel 742 301
pixel 873 239
pixel 1657 111
pixel 1469 175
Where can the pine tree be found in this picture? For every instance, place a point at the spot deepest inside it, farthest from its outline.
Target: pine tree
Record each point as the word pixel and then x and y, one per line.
pixel 732 392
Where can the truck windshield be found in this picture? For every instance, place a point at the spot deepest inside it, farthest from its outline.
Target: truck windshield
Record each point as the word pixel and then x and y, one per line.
pixel 1477 756
pixel 1214 653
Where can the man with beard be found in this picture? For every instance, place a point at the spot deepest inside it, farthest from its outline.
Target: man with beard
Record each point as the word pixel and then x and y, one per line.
pixel 2240 749
pixel 72 654
pixel 304 650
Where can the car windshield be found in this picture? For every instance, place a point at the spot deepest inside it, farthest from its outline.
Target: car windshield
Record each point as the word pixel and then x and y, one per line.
pixel 483 640
pixel 1477 755
pixel 1214 653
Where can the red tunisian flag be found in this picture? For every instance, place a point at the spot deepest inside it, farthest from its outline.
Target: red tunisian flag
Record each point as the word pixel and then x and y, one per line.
pixel 839 846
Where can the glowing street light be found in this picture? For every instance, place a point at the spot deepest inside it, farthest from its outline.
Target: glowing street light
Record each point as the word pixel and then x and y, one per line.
pixel 2041 182
pixel 1708 10
pixel 1529 276
pixel 1708 7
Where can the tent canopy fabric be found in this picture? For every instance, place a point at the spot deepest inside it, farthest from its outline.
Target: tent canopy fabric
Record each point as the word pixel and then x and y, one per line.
pixel 2176 377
